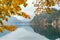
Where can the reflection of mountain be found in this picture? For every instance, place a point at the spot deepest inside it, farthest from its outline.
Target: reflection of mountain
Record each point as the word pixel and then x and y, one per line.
pixel 47 30
pixel 5 32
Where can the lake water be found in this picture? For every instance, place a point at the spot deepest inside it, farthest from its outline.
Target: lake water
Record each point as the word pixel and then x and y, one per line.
pixel 19 24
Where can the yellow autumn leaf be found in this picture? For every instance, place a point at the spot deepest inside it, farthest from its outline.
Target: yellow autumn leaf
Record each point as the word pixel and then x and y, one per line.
pixel 1 29
pixel 10 28
pixel 25 15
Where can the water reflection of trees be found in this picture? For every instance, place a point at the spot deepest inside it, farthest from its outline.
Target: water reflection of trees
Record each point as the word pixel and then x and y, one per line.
pixel 46 25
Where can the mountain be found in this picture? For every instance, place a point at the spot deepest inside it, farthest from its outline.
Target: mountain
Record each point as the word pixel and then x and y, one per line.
pixel 42 24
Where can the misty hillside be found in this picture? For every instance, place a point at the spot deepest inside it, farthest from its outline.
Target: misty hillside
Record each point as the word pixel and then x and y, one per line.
pixel 39 24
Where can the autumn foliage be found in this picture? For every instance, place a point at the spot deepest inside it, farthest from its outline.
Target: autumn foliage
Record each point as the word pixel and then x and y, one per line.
pixel 9 8
pixel 9 28
pixel 45 6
